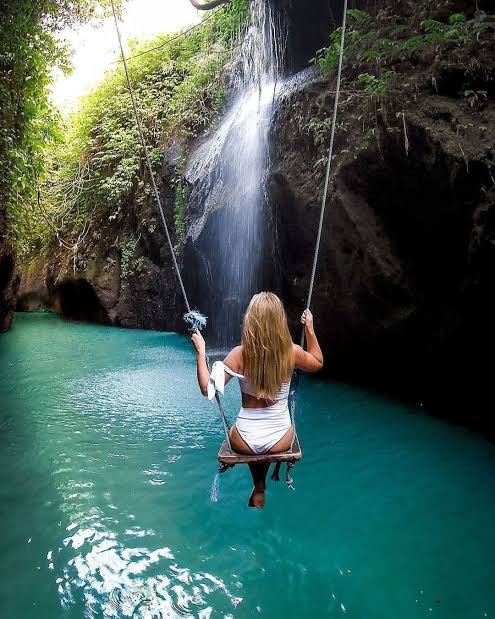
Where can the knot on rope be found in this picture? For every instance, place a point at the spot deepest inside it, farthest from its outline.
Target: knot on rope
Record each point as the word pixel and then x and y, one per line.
pixel 288 479
pixel 195 320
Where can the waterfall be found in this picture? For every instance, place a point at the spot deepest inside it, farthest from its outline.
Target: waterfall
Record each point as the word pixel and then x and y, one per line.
pixel 227 173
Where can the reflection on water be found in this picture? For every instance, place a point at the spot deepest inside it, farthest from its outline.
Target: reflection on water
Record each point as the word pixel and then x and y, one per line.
pixel 107 508
pixel 114 579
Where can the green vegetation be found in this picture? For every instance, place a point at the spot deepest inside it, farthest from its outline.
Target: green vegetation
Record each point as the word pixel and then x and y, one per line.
pixel 94 168
pixel 363 45
pixel 328 57
pixel 129 265
pixel 371 83
pixel 457 30
pixel 29 50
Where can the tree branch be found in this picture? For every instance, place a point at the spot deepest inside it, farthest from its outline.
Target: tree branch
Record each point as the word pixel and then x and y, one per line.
pixel 206 6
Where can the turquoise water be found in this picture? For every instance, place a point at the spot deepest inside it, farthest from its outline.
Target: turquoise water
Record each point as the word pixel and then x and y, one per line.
pixel 107 457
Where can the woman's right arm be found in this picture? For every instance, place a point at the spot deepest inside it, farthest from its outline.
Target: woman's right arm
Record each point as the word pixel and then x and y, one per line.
pixel 310 360
pixel 232 361
pixel 201 365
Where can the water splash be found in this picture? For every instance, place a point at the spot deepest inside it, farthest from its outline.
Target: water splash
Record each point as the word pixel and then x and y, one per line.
pixel 228 173
pixel 215 489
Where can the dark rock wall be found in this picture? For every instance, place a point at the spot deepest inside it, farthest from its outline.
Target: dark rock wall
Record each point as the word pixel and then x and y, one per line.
pixel 9 278
pixel 9 284
pixel 309 26
pixel 404 296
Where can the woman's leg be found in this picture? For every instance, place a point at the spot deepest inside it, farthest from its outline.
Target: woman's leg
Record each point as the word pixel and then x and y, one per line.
pixel 259 471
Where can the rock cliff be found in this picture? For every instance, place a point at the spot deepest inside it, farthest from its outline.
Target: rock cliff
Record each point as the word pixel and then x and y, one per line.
pixel 9 283
pixel 9 278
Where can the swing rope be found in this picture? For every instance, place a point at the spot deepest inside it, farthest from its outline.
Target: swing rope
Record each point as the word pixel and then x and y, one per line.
pixel 295 379
pixel 147 158
pixel 193 318
pixel 329 162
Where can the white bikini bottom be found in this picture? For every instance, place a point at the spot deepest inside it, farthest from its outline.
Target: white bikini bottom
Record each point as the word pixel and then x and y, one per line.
pixel 262 428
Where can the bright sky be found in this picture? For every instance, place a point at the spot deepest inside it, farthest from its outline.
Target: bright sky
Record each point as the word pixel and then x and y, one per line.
pixel 95 47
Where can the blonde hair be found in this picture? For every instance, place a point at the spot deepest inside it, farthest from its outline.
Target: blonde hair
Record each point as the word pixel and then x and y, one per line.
pixel 266 345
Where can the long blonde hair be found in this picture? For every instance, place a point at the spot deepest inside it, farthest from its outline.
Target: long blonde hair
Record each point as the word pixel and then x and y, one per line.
pixel 266 345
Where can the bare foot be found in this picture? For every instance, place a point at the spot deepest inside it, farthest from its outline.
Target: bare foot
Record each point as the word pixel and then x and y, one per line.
pixel 257 498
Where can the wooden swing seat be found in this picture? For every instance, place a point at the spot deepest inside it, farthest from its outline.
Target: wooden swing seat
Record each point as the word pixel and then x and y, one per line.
pixel 230 458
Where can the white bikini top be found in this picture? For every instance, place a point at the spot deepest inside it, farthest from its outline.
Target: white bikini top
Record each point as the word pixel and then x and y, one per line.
pixel 216 383
pixel 247 388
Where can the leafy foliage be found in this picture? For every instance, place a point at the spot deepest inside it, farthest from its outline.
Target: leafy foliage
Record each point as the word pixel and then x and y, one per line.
pixel 362 44
pixel 371 83
pixel 129 265
pixel 328 57
pixel 29 49
pixel 97 169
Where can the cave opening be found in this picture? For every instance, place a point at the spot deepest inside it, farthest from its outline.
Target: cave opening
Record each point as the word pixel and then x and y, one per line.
pixel 76 299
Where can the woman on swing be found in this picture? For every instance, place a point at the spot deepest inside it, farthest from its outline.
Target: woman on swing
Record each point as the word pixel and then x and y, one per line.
pixel 265 359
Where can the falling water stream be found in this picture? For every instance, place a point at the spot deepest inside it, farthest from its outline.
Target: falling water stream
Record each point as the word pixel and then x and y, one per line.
pixel 230 169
